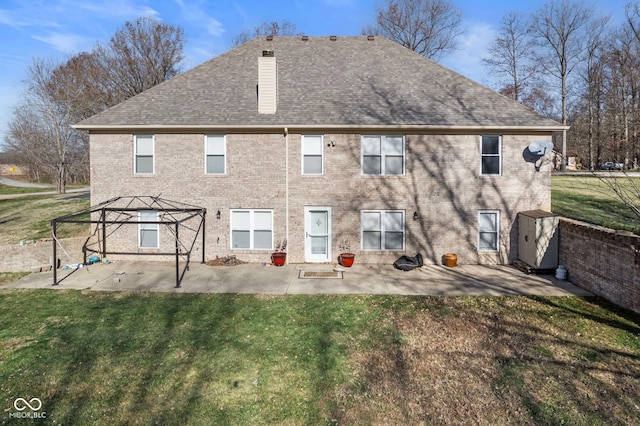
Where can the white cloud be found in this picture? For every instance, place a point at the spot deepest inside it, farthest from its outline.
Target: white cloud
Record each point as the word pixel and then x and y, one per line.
pixel 194 14
pixel 215 27
pixel 474 44
pixel 66 43
pixel 5 18
pixel 128 9
pixel 28 16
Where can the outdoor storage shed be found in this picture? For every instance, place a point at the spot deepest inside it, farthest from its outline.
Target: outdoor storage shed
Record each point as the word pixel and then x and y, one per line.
pixel 538 239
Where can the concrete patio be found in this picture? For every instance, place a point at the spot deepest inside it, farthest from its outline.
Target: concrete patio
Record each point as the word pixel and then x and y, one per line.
pixel 471 280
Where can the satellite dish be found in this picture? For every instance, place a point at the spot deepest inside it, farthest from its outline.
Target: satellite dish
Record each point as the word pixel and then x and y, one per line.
pixel 540 147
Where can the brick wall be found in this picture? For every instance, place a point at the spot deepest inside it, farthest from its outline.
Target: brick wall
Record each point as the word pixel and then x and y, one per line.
pixel 602 261
pixel 442 184
pixel 37 256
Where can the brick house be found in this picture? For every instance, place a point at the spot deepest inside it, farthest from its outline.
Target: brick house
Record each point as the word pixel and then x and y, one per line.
pixel 324 140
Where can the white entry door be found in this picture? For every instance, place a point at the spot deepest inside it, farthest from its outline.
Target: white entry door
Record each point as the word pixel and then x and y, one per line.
pixel 317 228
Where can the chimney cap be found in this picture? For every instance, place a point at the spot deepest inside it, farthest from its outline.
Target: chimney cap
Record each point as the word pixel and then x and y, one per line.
pixel 333 38
pixel 305 38
pixel 370 38
pixel 270 37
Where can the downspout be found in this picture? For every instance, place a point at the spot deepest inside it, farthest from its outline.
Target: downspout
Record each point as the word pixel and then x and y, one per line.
pixel 286 184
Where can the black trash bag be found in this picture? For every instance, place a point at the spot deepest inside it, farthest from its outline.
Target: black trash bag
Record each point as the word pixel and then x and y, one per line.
pixel 408 263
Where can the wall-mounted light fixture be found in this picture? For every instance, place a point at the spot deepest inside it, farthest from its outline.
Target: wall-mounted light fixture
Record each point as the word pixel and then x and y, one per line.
pixel 218 215
pixel 415 215
pixel 332 143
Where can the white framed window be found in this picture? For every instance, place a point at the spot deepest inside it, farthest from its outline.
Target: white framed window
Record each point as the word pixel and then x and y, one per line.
pixel 143 153
pixel 215 152
pixel 488 230
pixel 491 155
pixel 252 229
pixel 148 233
pixel 382 229
pixel 312 155
pixel 382 155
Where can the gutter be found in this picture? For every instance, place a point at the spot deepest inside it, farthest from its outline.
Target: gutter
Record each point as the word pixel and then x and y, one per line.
pixel 277 128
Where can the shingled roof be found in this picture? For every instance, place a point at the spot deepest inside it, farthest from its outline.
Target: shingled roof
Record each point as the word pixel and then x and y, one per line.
pixel 322 82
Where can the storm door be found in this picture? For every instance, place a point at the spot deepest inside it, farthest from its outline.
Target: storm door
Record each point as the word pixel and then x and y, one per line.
pixel 317 227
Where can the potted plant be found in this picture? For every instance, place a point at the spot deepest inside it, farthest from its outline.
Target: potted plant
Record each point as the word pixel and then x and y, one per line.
pixel 279 257
pixel 346 257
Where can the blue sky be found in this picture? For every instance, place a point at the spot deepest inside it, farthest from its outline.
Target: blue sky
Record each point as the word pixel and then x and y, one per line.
pixel 56 29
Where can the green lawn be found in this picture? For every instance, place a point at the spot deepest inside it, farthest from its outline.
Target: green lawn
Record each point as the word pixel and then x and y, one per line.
pixel 6 190
pixel 29 217
pixel 140 359
pixel 202 359
pixel 589 199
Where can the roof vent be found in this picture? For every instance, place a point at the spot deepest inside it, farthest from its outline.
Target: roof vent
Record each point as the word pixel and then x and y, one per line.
pixel 305 38
pixel 267 53
pixel 333 38
pixel 270 38
pixel 371 38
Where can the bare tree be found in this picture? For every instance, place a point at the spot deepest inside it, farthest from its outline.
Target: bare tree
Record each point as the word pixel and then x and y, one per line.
pixel 593 75
pixel 511 54
pixel 273 28
pixel 428 27
pixel 560 27
pixel 141 55
pixel 83 82
pixel 41 126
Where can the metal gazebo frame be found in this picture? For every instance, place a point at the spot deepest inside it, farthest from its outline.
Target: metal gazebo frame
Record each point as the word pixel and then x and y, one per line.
pixel 120 211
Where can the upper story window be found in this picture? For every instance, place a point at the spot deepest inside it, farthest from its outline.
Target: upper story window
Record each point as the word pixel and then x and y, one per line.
pixel 143 152
pixel 312 154
pixel 252 229
pixel 382 230
pixel 491 155
pixel 148 233
pixel 488 230
pixel 382 155
pixel 215 148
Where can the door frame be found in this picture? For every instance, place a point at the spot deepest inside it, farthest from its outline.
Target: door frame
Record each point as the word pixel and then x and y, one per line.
pixel 308 256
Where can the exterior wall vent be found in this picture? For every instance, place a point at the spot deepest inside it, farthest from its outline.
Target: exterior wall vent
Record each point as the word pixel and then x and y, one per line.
pixel 267 83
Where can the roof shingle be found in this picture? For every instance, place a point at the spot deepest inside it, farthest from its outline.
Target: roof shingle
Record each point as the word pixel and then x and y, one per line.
pixel 346 82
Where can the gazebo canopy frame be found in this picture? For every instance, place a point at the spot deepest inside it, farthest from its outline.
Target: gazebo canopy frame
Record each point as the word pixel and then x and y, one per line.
pixel 119 211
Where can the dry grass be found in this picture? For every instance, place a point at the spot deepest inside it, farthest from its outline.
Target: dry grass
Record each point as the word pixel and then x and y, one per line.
pixel 96 358
pixel 485 363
